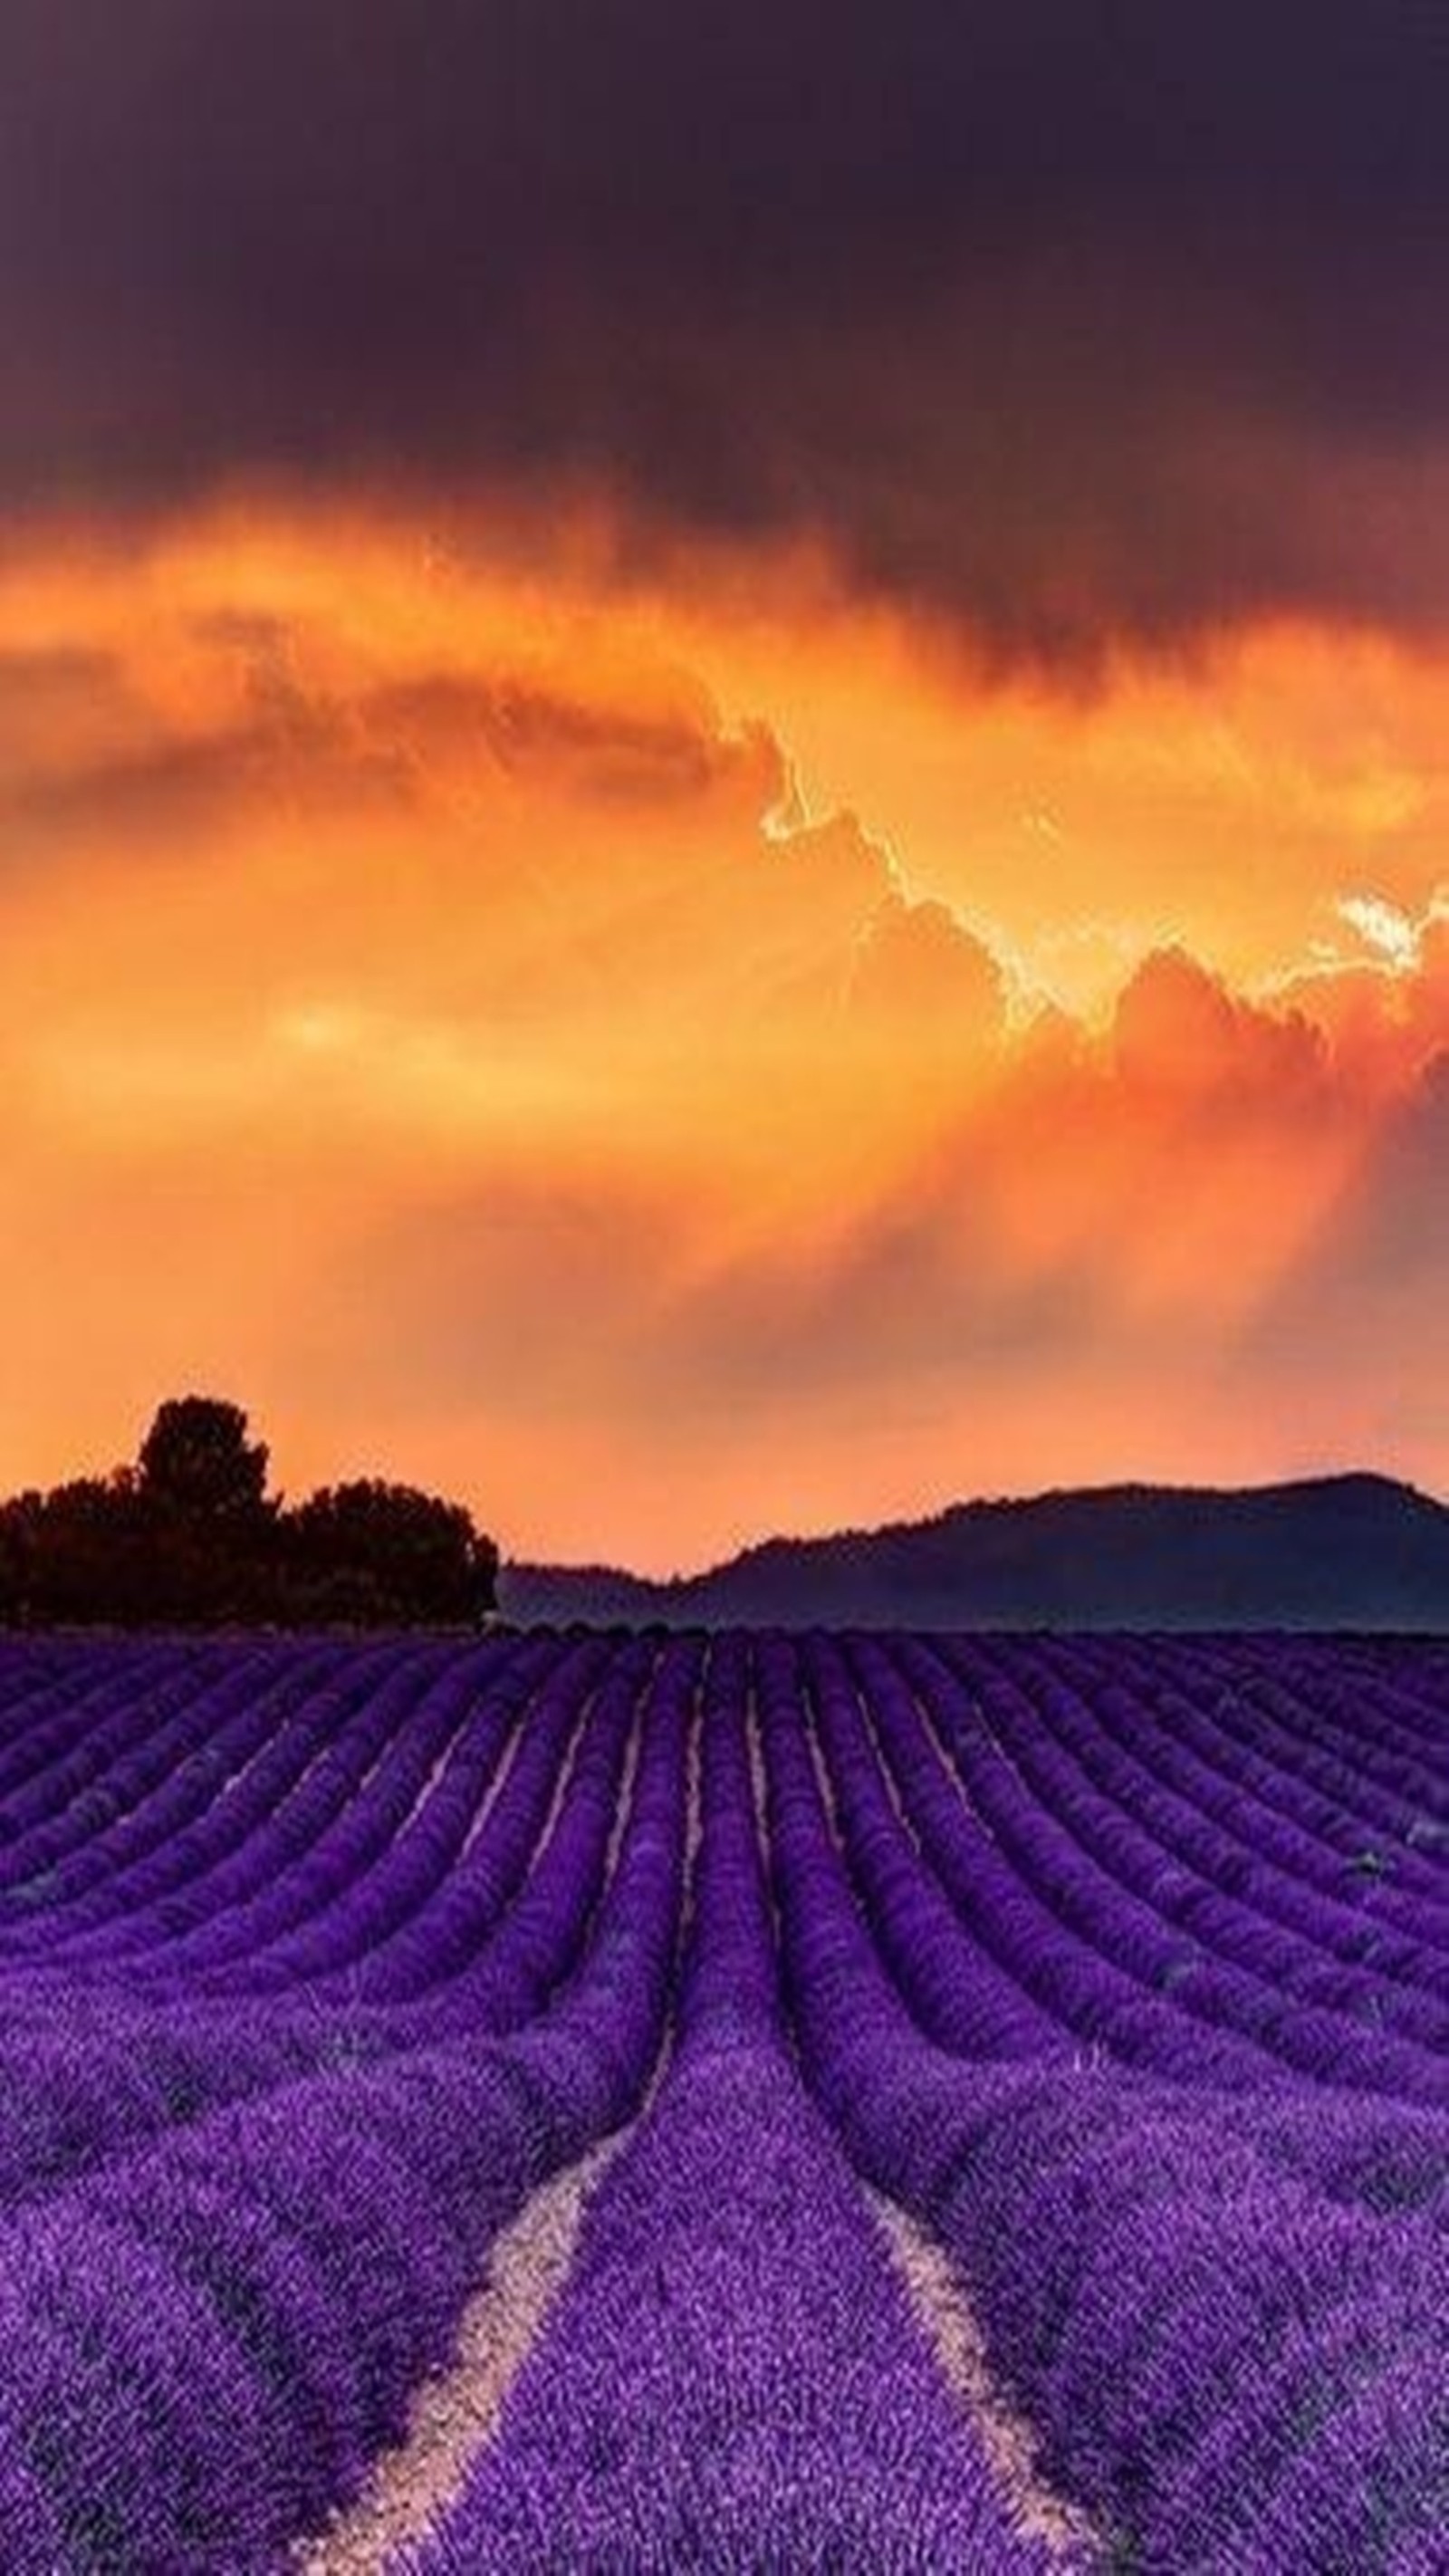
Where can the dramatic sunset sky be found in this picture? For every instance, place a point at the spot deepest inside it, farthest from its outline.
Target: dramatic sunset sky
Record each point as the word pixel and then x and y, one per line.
pixel 724 747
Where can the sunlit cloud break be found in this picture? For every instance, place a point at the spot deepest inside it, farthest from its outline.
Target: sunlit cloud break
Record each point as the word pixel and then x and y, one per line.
pixel 559 1025
pixel 1383 928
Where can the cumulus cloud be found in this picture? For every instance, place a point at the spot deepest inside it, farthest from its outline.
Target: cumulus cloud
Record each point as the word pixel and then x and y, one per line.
pixel 1385 1013
pixel 917 968
pixel 1179 1029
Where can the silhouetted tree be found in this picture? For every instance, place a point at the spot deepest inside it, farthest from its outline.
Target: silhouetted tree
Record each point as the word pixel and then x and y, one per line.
pixel 86 1550
pixel 189 1537
pixel 379 1551
pixel 197 1459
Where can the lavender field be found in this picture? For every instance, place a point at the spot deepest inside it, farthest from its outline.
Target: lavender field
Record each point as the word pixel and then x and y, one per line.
pixel 642 2102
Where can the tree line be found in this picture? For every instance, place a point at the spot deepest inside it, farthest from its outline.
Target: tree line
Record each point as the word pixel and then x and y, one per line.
pixel 190 1536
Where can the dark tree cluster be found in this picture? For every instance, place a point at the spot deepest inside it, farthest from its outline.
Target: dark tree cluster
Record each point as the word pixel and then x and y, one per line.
pixel 189 1536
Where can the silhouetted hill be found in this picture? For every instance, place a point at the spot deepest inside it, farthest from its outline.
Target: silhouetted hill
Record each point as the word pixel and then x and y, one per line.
pixel 1352 1551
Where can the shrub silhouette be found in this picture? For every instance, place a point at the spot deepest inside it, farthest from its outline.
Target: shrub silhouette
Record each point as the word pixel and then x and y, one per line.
pixel 381 1551
pixel 196 1459
pixel 190 1537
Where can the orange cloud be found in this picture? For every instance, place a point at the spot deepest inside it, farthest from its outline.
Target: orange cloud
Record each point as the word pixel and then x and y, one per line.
pixel 438 1000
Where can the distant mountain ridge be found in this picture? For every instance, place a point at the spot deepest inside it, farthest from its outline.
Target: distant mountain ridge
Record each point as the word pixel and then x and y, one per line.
pixel 1344 1551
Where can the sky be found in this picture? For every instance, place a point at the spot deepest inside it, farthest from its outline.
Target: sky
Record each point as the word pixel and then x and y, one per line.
pixel 724 748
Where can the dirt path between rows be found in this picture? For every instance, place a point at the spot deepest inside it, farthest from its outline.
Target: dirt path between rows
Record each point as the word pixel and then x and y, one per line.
pixel 956 2338
pixel 411 2487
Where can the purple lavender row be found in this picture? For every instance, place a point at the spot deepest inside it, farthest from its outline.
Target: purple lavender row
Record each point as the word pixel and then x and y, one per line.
pixel 200 2366
pixel 1225 2369
pixel 487 1861
pixel 1201 1870
pixel 91 2016
pixel 269 1878
pixel 1364 2157
pixel 733 2377
pixel 1333 1715
pixel 1335 1740
pixel 61 1697
pixel 1147 1717
pixel 271 1813
pixel 187 2080
pixel 1248 1747
pixel 131 1831
pixel 44 1677
pixel 1411 1683
pixel 479 1966
pixel 318 1839
pixel 1384 2153
pixel 1338 1740
pixel 1096 1950
pixel 80 2099
pixel 1009 1925
pixel 102 2073
pixel 1378 1708
pixel 338 1747
pixel 1409 1672
pixel 202 1724
pixel 396 1844
pixel 1210 1952
pixel 77 1790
